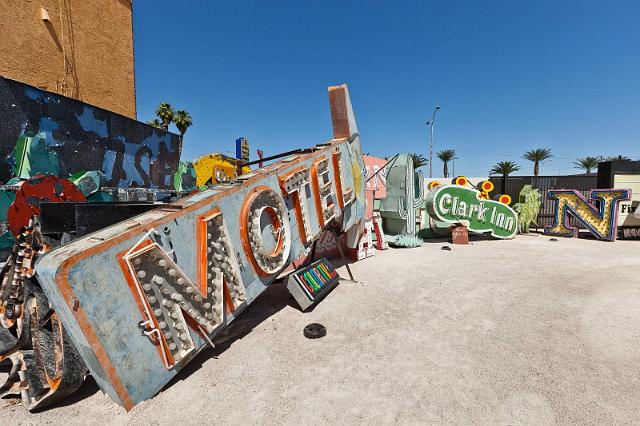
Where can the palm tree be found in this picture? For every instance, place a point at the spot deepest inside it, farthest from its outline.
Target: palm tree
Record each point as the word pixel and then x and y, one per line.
pixel 419 160
pixel 155 123
pixel 586 163
pixel 537 155
pixel 504 168
pixel 182 120
pixel 165 114
pixel 446 156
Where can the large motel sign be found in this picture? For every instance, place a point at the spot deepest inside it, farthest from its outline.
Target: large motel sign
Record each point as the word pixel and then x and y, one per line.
pixel 140 299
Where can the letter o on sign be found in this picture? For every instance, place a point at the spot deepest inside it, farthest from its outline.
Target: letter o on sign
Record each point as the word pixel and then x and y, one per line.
pixel 265 230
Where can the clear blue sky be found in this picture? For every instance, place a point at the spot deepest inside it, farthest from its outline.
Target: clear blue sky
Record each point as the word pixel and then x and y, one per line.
pixel 510 75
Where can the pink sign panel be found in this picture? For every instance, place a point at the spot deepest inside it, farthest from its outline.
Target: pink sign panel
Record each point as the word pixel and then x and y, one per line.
pixel 376 187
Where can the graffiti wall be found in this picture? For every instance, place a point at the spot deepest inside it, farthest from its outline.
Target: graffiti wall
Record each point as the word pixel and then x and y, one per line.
pixel 47 133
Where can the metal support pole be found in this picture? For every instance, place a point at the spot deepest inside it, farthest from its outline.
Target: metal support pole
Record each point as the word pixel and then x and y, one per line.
pixel 432 122
pixel 431 152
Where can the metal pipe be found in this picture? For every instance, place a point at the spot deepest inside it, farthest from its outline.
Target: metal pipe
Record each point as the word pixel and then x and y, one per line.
pixel 432 122
pixel 383 167
pixel 274 157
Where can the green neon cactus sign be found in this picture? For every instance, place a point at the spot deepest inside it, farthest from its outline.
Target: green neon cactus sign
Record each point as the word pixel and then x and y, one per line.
pixel 458 204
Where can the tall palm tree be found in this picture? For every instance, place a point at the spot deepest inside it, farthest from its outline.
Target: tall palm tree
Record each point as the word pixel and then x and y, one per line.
pixel 446 156
pixel 504 168
pixel 419 160
pixel 165 114
pixel 182 119
pixel 155 123
pixel 586 163
pixel 537 156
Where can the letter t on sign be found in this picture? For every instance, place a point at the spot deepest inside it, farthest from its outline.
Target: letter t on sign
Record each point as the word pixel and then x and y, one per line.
pixel 293 184
pixel 344 122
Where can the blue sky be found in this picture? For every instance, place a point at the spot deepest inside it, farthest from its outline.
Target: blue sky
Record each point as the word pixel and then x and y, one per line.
pixel 509 75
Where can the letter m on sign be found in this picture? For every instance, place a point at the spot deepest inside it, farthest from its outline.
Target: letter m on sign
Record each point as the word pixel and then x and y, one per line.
pixel 599 218
pixel 177 308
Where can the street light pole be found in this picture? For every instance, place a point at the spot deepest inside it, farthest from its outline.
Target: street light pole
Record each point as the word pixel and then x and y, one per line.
pixel 432 122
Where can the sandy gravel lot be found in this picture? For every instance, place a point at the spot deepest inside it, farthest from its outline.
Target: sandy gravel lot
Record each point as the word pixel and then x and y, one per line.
pixel 528 331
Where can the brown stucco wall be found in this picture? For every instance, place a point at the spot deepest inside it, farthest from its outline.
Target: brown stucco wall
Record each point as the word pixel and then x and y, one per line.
pixel 95 37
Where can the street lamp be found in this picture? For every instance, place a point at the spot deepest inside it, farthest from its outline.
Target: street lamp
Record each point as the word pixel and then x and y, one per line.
pixel 432 122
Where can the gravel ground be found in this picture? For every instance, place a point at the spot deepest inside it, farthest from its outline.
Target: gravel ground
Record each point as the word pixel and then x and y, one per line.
pixel 528 331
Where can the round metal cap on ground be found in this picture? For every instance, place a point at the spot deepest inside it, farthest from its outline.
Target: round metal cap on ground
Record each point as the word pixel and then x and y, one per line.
pixel 314 331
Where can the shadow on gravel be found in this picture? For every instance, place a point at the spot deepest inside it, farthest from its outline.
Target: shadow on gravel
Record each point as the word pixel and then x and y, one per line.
pixel 275 298
pixel 89 387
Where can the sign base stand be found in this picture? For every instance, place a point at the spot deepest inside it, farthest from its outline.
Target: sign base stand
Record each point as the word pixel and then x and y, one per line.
pixel 459 234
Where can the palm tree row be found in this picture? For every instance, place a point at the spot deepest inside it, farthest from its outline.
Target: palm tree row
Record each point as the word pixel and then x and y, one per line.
pixel 166 115
pixel 445 156
pixel 537 156
pixel 505 168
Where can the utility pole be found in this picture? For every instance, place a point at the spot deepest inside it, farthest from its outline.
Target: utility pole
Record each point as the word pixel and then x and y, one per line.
pixel 432 122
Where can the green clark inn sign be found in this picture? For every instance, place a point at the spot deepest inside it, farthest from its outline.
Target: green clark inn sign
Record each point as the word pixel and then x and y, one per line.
pixel 458 204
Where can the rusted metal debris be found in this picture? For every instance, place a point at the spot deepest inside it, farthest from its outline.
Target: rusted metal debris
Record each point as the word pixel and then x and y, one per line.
pixel 45 365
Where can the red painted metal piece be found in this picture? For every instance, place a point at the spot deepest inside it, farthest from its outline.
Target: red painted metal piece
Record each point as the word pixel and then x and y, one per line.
pixel 37 189
pixel 260 156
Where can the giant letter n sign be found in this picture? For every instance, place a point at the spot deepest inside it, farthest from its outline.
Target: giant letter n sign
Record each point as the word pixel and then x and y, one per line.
pixel 601 221
pixel 141 298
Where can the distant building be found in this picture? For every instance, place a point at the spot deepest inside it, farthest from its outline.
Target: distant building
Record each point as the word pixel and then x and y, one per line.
pixel 82 49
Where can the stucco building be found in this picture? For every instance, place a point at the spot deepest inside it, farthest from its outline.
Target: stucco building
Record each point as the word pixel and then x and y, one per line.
pixel 82 49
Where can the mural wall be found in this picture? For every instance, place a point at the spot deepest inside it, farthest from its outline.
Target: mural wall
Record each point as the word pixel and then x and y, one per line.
pixel 61 136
